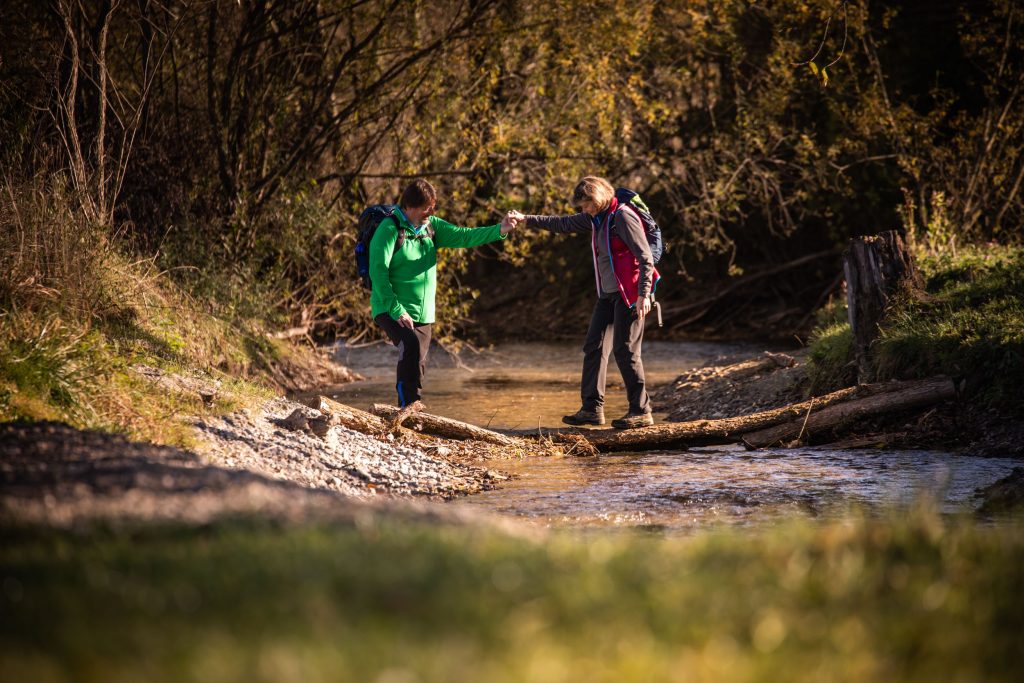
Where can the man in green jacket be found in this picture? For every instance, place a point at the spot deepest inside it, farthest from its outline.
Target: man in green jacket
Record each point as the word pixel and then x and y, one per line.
pixel 405 279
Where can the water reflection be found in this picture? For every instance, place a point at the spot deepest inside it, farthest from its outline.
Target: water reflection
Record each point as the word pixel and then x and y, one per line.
pixel 731 485
pixel 516 386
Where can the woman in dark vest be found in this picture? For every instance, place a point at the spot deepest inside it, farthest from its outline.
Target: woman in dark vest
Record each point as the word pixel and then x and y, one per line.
pixel 625 279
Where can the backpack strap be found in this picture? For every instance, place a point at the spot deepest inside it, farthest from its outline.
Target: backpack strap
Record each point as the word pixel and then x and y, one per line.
pixel 628 205
pixel 399 230
pixel 428 231
pixel 400 239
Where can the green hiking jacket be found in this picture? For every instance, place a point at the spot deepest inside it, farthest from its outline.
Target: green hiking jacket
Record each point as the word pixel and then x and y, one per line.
pixel 406 281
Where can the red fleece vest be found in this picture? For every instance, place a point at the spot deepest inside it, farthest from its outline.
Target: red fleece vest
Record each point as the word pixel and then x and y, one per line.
pixel 625 265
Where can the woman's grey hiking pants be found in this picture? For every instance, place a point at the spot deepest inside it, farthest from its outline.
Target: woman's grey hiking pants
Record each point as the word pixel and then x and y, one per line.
pixel 614 328
pixel 412 356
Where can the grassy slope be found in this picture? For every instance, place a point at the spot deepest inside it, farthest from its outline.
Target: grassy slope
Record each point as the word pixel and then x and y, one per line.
pixel 970 324
pixel 76 315
pixel 863 600
pixel 56 369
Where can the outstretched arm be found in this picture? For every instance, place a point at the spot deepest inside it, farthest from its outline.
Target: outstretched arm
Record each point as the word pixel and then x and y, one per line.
pixel 579 222
pixel 448 236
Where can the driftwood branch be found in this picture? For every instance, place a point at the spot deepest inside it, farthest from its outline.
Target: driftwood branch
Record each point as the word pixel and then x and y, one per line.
pixel 705 432
pixel 442 426
pixel 830 415
pixel 347 416
pixel 402 415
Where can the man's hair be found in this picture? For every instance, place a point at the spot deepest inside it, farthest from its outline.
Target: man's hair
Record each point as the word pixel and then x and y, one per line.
pixel 593 189
pixel 418 193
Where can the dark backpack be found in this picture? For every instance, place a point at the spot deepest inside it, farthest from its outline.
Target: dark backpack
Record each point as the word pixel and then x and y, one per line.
pixel 369 219
pixel 651 228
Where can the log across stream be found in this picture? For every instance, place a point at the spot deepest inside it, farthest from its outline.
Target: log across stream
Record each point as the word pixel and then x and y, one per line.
pixel 832 413
pixel 679 474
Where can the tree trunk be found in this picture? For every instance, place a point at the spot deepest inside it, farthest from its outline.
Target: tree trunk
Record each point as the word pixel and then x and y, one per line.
pixel 837 411
pixel 347 416
pixel 877 268
pixel 705 432
pixel 443 426
pixel 841 417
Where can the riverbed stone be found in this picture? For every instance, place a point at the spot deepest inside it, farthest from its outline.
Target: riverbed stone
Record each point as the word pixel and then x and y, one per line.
pixel 1004 496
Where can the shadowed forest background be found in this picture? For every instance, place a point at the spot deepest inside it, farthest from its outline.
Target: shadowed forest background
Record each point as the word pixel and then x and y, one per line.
pixel 229 146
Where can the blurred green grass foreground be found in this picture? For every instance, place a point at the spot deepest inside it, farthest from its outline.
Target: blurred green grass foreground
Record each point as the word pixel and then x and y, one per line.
pixel 915 598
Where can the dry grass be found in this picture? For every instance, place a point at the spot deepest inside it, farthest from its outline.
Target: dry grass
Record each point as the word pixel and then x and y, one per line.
pixel 49 254
pixel 77 314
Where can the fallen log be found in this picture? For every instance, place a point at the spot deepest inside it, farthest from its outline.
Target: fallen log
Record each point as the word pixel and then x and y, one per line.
pixel 735 429
pixel 347 416
pixel 704 432
pixel 442 426
pixel 839 417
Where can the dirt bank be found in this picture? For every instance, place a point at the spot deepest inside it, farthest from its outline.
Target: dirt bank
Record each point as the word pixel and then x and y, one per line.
pixel 728 387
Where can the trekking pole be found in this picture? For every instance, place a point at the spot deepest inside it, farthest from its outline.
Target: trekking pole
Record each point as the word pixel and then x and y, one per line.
pixel 657 307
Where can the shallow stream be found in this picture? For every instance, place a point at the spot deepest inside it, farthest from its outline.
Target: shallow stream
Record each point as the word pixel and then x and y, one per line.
pixel 524 386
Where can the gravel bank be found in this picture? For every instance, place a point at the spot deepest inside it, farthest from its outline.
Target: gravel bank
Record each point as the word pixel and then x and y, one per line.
pixel 248 461
pixel 343 460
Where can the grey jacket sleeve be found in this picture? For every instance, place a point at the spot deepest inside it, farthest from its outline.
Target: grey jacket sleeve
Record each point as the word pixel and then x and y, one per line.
pixel 579 222
pixel 630 230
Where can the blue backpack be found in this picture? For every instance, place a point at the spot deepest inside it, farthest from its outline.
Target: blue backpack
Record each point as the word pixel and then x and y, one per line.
pixel 652 230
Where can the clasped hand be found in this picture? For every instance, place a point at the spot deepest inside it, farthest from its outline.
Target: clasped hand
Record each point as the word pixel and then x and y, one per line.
pixel 511 221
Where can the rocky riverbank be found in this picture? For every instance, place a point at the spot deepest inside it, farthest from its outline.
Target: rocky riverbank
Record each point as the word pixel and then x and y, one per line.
pixel 287 460
pixel 270 441
pixel 257 458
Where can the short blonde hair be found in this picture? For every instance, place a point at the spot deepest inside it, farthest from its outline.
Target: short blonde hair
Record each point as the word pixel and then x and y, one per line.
pixel 593 189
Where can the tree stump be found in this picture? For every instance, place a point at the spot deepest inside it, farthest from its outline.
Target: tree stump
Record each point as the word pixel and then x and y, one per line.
pixel 877 268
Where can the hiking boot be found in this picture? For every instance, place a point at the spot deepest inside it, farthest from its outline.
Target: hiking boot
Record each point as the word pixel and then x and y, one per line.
pixel 585 417
pixel 632 421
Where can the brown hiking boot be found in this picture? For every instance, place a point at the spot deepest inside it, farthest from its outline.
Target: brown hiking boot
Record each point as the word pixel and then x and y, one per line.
pixel 630 421
pixel 585 417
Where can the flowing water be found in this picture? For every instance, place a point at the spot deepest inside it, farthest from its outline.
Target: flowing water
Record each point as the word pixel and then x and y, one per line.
pixel 525 386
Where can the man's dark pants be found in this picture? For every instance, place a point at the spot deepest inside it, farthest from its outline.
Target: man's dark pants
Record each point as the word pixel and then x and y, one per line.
pixel 614 328
pixel 412 356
